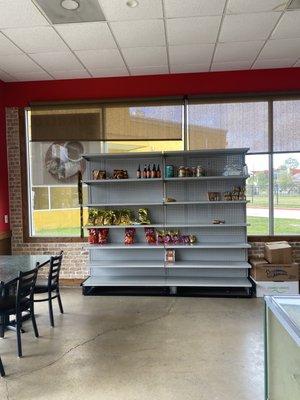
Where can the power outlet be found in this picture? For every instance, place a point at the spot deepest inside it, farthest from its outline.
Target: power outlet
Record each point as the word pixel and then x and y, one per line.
pixel 6 219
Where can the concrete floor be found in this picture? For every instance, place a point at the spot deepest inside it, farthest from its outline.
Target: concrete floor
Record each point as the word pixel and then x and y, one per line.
pixel 139 348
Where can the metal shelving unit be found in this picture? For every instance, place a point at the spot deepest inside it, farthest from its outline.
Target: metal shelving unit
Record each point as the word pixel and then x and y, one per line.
pixel 219 257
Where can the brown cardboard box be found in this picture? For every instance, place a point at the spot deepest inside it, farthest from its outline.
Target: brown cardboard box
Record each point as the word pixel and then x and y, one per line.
pixel 278 253
pixel 263 271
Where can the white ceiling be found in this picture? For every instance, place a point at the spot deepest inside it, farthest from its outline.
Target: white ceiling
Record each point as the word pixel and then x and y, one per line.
pixel 157 37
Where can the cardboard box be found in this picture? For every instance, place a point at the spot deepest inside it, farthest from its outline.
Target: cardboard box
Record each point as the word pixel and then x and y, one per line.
pixel 263 271
pixel 276 288
pixel 278 253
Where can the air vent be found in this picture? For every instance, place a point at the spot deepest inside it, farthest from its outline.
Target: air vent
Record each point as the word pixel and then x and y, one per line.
pixel 87 11
pixel 294 5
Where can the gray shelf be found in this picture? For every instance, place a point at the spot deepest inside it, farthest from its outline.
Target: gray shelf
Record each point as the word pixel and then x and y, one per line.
pixel 171 246
pixel 122 246
pixel 195 281
pixel 206 178
pixel 209 264
pixel 129 180
pixel 126 264
pixel 96 205
pixel 205 202
pixel 168 226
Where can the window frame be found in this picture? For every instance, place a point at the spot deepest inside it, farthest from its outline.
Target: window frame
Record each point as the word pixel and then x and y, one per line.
pixel 232 98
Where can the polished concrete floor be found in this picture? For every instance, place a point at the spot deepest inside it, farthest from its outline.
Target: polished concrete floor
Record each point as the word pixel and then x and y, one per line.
pixel 139 348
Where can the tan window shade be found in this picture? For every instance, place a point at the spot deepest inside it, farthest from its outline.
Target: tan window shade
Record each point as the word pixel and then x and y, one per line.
pixel 66 123
pixel 143 122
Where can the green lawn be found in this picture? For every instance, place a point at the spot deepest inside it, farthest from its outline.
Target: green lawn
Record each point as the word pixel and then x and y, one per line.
pixel 259 226
pixel 283 201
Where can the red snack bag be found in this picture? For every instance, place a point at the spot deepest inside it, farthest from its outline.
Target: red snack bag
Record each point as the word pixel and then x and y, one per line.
pixel 129 235
pixel 103 235
pixel 150 235
pixel 93 236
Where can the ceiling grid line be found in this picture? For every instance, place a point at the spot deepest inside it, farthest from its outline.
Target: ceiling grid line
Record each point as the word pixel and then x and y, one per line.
pixel 218 35
pixel 166 35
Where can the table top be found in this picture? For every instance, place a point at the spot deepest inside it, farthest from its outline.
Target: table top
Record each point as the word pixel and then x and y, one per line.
pixel 287 311
pixel 10 266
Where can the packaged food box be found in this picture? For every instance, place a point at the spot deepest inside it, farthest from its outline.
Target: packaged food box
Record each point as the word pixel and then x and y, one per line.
pixel 263 271
pixel 278 253
pixel 276 288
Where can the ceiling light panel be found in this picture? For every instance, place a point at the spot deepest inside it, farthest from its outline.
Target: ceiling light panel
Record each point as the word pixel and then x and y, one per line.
pixel 139 33
pixel 57 61
pixel 87 36
pixel 88 11
pixel 18 63
pixel 191 54
pixel 118 10
pixel 193 30
pixel 288 27
pixel 281 48
pixel 7 47
pixel 250 6
pixel 20 13
pixel 237 51
pixel 192 8
pixel 109 72
pixel 157 70
pixel 94 59
pixel 145 56
pixel 283 63
pixel 36 40
pixel 246 27
pixel 231 66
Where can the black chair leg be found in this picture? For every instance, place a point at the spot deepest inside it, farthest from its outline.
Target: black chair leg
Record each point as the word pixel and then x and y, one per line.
pixel 2 327
pixel 18 330
pixel 51 311
pixel 2 372
pixel 36 332
pixel 60 303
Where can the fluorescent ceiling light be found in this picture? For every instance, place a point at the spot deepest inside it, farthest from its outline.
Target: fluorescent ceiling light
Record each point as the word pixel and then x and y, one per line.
pixel 132 3
pixel 70 5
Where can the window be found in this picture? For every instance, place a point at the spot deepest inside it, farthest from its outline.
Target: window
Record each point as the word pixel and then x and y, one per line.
pixel 58 136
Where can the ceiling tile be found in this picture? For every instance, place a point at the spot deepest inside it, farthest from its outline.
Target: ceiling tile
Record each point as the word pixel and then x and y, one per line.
pixel 57 61
pixel 139 33
pixel 288 27
pixel 106 72
pixel 237 51
pixel 270 63
pixel 87 36
pixel 20 13
pixel 246 27
pixel 193 8
pixel 185 68
pixel 7 47
pixel 36 40
pixel 191 54
pixel 33 76
pixel 297 64
pixel 157 70
pixel 281 48
pixel 98 59
pixel 249 6
pixel 145 56
pixel 6 77
pixel 18 63
pixel 117 10
pixel 71 74
pixel 231 66
pixel 193 30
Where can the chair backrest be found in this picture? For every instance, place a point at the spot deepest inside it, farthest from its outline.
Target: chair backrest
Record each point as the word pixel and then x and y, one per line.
pixel 54 271
pixel 25 285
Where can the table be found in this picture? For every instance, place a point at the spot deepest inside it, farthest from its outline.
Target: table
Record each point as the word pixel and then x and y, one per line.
pixel 282 347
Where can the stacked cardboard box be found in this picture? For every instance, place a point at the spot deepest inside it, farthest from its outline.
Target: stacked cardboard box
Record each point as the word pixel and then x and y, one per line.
pixel 276 273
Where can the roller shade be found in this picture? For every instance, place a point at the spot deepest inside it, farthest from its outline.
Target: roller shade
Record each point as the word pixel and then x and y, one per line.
pixel 146 121
pixel 56 123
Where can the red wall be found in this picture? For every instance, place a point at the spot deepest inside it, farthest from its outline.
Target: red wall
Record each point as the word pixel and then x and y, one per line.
pixel 275 80
pixel 17 94
pixel 3 164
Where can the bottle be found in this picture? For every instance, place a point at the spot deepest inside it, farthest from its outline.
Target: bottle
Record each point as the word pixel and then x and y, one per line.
pixel 138 172
pixel 148 171
pixel 145 172
pixel 153 172
pixel 158 173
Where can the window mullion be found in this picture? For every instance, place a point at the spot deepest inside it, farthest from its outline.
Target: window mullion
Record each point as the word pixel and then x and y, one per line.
pixel 271 170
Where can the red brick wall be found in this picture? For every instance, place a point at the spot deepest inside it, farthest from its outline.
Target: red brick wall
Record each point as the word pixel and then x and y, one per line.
pixel 74 265
pixel 4 227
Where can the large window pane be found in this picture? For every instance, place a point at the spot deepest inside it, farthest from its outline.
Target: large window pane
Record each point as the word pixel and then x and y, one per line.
pixel 286 125
pixel 287 193
pixel 229 125
pixel 258 194
pixel 142 146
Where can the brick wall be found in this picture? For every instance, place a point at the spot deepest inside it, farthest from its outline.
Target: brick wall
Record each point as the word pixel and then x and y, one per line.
pixel 75 257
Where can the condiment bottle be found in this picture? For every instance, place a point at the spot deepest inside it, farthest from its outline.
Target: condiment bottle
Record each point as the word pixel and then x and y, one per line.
pixel 153 172
pixel 148 171
pixel 145 172
pixel 138 172
pixel 158 173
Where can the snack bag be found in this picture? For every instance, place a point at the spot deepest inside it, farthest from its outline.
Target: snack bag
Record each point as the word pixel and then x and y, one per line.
pixel 144 216
pixel 93 236
pixel 129 235
pixel 103 235
pixel 150 235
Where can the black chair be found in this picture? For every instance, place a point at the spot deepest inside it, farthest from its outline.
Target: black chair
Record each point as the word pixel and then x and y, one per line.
pixel 2 372
pixel 51 286
pixel 20 302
